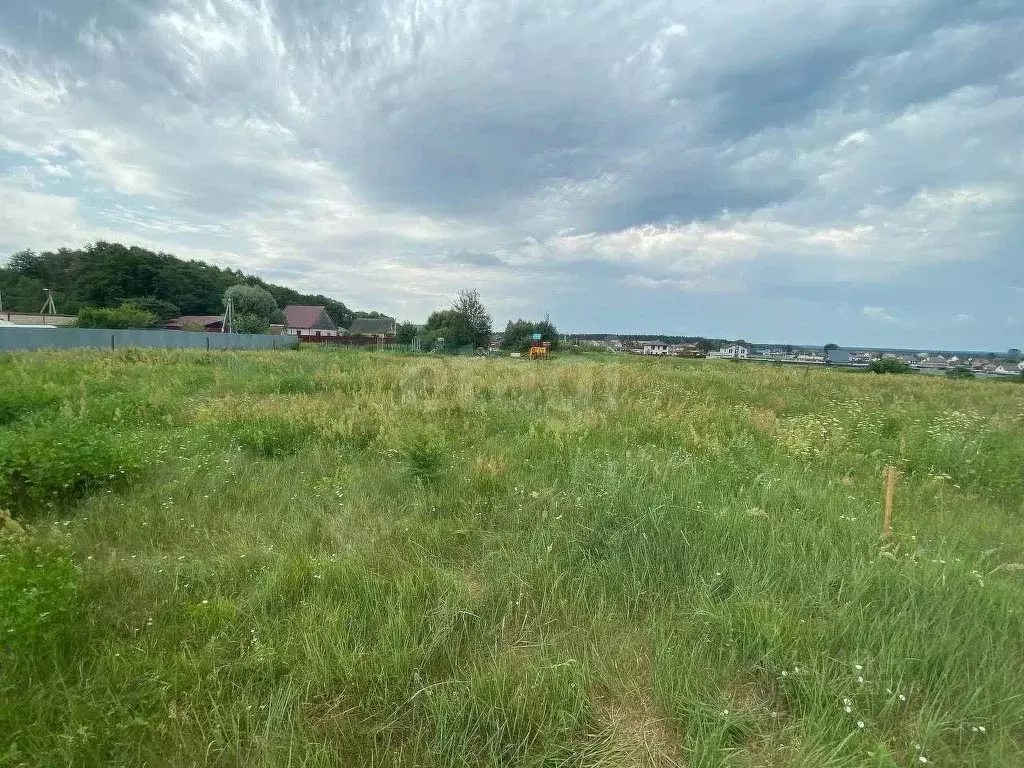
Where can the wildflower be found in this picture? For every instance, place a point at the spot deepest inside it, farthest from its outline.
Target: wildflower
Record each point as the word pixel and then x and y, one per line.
pixel 206 602
pixel 922 759
pixel 858 667
pixel 847 701
pixel 981 728
pixel 860 679
pixel 848 709
pixel 860 723
pixel 902 697
pixel 725 711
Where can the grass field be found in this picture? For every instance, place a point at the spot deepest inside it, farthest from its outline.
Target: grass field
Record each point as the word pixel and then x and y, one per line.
pixel 357 559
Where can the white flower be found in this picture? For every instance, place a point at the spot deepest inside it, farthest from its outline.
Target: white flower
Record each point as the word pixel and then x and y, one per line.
pixel 922 759
pixel 902 697
pixel 206 602
pixel 860 723
pixel 848 709
pixel 858 667
pixel 981 728
pixel 725 711
pixel 860 679
pixel 847 701
pixel 785 673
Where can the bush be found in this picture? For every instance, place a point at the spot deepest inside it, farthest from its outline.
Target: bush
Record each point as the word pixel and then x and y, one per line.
pixel 125 316
pixel 62 462
pixel 424 454
pixel 271 437
pixel 37 590
pixel 889 365
pixel 249 323
pixel 960 372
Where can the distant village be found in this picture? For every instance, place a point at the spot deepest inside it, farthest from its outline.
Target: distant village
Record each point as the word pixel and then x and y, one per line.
pixel 925 362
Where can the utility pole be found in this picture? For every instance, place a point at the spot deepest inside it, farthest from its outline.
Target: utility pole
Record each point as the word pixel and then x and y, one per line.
pixel 48 307
pixel 228 322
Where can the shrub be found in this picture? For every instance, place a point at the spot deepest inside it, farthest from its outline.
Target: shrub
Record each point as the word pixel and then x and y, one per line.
pixel 125 316
pixel 889 365
pixel 62 462
pixel 271 437
pixel 18 403
pixel 424 453
pixel 37 590
pixel 249 323
pixel 960 372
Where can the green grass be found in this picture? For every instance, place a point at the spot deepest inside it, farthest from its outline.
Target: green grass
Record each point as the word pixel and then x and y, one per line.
pixel 322 558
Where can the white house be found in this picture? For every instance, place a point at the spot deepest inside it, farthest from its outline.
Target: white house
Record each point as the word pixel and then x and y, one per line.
pixel 1008 369
pixel 656 347
pixel 732 352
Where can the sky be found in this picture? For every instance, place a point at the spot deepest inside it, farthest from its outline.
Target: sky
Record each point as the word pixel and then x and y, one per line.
pixel 849 171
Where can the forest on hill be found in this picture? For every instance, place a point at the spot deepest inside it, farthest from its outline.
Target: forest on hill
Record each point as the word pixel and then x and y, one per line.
pixel 110 274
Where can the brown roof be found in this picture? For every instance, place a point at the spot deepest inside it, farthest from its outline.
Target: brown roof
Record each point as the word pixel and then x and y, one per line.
pixel 301 316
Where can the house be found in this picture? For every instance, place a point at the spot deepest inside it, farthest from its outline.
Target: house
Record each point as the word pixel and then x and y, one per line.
pixel 687 350
pixel 377 327
pixel 208 323
pixel 656 347
pixel 732 352
pixel 838 357
pixel 937 363
pixel 1008 369
pixel 309 322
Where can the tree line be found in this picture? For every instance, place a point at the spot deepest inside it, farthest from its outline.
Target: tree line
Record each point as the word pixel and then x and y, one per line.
pixel 110 275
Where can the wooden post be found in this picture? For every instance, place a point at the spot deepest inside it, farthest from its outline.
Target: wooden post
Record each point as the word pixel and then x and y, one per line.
pixel 111 342
pixel 890 493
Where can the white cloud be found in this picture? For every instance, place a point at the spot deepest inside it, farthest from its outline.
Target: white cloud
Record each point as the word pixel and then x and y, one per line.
pixel 962 319
pixel 878 314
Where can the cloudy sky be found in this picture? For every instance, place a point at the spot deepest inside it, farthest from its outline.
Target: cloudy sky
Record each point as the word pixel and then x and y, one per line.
pixel 849 170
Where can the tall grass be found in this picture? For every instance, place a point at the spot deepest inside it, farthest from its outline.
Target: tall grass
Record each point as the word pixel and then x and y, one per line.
pixel 428 562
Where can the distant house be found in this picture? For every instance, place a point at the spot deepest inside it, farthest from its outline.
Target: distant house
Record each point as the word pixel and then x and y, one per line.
pixel 309 322
pixel 656 347
pixel 839 357
pixel 377 327
pixel 936 363
pixel 208 323
pixel 1008 369
pixel 732 352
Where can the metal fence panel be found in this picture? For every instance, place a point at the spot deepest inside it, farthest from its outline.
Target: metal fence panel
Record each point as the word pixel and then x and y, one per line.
pixel 75 338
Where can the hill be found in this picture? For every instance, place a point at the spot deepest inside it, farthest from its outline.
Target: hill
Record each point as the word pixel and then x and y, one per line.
pixel 107 274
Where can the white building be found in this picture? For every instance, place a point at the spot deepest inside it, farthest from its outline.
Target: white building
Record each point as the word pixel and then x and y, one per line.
pixel 656 347
pixel 732 352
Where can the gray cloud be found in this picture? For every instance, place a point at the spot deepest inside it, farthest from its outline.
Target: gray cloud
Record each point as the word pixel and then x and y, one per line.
pixel 700 147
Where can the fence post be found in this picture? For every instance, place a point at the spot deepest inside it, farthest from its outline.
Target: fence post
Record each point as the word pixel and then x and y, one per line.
pixel 111 342
pixel 890 492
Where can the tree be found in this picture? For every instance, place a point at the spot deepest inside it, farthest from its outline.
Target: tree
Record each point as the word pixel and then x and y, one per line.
pixel 830 347
pixel 250 323
pixel 889 365
pixel 465 324
pixel 519 335
pixel 164 310
pixel 1013 355
pixel 253 308
pixel 471 309
pixel 406 332
pixel 449 325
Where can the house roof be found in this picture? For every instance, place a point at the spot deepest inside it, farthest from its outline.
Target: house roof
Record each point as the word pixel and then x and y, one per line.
pixel 301 315
pixel 838 356
pixel 372 326
pixel 196 320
